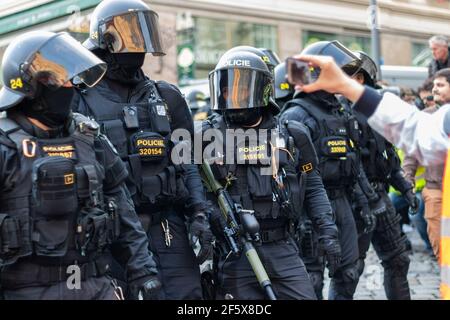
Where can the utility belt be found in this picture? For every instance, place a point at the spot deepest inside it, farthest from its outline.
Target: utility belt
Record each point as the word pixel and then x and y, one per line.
pixel 27 273
pixel 273 235
pixel 272 230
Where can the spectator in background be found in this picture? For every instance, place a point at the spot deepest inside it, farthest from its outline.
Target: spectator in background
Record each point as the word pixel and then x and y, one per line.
pixel 439 49
pixel 426 94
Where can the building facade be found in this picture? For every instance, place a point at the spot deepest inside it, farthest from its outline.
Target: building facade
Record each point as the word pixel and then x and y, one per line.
pixel 198 32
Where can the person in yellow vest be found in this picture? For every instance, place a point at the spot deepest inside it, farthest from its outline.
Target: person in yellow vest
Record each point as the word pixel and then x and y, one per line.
pixel 422 135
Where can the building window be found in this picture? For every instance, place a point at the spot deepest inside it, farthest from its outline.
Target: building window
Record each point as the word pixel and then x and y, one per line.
pixel 211 38
pixel 421 54
pixel 356 43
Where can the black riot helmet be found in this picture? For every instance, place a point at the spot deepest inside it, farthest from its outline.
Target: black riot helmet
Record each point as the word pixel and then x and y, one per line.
pixel 271 63
pixel 368 68
pixel 240 86
pixel 344 58
pixel 49 59
pixel 273 57
pixel 124 26
pixel 283 89
pixel 196 99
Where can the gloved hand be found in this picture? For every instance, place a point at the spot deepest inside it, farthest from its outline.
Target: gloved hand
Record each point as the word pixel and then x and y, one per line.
pixel 413 201
pixel 200 230
pixel 145 288
pixel 378 207
pixel 332 252
pixel 368 218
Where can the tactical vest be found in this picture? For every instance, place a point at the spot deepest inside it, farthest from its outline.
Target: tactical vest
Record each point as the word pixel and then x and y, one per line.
pixel 268 197
pixel 140 131
pixel 336 144
pixel 377 154
pixel 54 208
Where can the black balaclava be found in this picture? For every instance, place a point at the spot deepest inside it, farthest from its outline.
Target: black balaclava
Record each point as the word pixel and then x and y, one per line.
pixel 124 67
pixel 52 107
pixel 243 116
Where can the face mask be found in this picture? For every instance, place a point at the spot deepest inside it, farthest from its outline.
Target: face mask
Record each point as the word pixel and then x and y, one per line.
pixel 53 106
pixel 124 67
pixel 244 116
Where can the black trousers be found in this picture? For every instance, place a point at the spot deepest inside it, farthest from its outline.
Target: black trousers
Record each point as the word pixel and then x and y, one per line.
pixel 343 284
pixel 94 288
pixel 179 270
pixel 390 245
pixel 283 265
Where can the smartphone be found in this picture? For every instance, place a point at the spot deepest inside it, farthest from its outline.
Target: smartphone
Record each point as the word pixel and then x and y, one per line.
pixel 298 72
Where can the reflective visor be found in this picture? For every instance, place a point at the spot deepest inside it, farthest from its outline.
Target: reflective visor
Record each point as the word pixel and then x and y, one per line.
pixel 62 59
pixel 341 55
pixel 239 89
pixel 136 31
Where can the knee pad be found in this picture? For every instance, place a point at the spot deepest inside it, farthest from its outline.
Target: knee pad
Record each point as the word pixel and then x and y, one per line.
pixel 398 265
pixel 348 274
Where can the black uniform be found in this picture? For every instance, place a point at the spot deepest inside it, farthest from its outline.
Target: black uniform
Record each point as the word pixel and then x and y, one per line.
pixel 64 205
pixel 278 251
pixel 138 119
pixel 333 135
pixel 382 167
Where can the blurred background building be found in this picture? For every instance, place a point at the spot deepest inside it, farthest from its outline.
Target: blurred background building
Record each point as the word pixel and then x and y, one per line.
pixel 197 32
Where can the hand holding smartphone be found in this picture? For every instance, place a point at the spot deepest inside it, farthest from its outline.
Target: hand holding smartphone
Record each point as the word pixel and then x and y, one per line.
pixel 298 72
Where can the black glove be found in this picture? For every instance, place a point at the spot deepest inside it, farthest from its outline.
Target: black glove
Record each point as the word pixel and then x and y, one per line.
pixel 145 288
pixel 378 207
pixel 200 230
pixel 413 201
pixel 332 252
pixel 368 218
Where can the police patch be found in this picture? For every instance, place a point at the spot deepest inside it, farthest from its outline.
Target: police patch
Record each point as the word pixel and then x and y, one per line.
pixel 59 150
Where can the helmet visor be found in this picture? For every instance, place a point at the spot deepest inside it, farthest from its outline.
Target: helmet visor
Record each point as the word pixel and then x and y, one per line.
pixel 342 56
pixel 136 31
pixel 62 59
pixel 239 89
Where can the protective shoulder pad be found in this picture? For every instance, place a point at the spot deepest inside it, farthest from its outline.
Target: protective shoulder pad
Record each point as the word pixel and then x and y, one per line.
pixel 7 127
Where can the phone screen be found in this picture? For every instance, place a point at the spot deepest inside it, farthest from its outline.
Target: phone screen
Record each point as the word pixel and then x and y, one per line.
pixel 298 72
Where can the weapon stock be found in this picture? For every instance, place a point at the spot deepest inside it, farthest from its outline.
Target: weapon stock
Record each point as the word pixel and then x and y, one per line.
pixel 239 235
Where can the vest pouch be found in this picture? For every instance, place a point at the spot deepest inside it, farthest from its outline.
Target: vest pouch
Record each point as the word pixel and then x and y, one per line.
pixel 158 118
pixel 14 236
pixel 50 237
pixel 349 169
pixel 354 132
pixel 160 188
pixel 260 189
pixel 334 146
pixel 115 132
pixel 150 146
pixel 95 230
pixel 330 171
pixel 54 191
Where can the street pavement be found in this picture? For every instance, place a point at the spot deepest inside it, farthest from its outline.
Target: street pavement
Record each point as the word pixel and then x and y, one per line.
pixel 423 275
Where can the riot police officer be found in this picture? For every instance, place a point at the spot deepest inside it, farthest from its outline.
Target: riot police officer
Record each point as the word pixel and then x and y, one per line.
pixel 139 115
pixel 382 167
pixel 63 198
pixel 199 104
pixel 334 134
pixel 284 91
pixel 241 93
